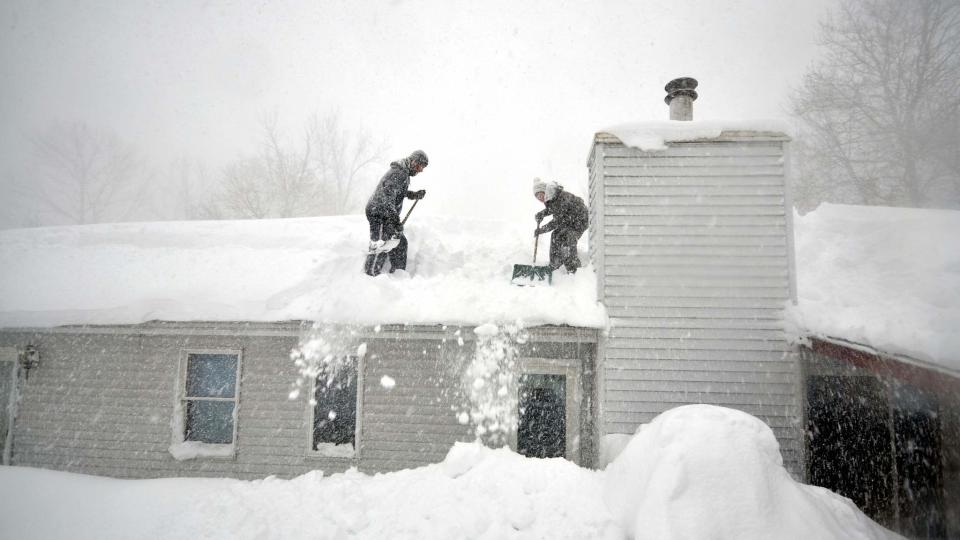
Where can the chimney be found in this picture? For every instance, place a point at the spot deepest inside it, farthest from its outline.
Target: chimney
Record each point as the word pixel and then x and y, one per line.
pixel 680 95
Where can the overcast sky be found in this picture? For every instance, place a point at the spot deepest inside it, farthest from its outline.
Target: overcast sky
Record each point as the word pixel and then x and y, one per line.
pixel 496 92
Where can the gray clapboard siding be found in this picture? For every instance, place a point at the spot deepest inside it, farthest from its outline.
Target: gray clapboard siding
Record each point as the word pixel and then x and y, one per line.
pixel 716 181
pixel 102 400
pixel 639 377
pixel 696 273
pixel 616 149
pixel 649 238
pixel 724 192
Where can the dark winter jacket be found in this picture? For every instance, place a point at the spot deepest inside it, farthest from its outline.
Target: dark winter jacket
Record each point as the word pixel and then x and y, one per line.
pixel 568 212
pixel 387 199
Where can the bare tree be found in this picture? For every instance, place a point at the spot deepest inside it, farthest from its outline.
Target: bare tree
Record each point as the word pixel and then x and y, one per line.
pixel 189 178
pixel 341 160
pixel 320 175
pixel 881 111
pixel 84 175
pixel 277 182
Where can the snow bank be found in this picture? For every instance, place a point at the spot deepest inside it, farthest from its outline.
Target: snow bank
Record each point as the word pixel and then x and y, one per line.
pixel 652 136
pixel 701 471
pixel 884 277
pixel 275 270
pixel 694 472
pixel 475 493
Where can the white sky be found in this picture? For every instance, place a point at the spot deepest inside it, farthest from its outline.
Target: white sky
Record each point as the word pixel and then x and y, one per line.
pixel 496 92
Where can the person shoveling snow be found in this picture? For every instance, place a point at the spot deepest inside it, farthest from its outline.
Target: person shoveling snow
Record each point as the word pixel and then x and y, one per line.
pixel 383 214
pixel 570 220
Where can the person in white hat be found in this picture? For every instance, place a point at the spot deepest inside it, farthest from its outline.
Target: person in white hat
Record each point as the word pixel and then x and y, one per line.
pixel 570 220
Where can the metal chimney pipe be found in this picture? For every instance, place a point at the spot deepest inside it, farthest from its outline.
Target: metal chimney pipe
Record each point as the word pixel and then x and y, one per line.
pixel 680 96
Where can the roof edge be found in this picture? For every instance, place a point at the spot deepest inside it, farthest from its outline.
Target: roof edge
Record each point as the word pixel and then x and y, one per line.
pixel 903 367
pixel 541 333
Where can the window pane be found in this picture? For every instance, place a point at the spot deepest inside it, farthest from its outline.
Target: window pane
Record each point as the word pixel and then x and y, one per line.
pixel 6 388
pixel 209 421
pixel 335 414
pixel 211 375
pixel 542 424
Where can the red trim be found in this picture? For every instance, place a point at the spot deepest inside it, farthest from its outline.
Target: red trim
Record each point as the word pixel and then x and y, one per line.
pixel 922 378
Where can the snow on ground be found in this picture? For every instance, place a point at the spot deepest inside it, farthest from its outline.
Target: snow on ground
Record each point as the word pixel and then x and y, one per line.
pixel 697 471
pixel 884 277
pixel 459 271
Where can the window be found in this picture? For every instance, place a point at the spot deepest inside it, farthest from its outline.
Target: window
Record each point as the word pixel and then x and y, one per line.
pixel 542 425
pixel 334 408
pixel 548 409
pixel 206 417
pixel 8 400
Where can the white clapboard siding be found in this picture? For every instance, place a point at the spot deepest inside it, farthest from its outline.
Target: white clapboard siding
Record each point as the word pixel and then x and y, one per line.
pixel 694 261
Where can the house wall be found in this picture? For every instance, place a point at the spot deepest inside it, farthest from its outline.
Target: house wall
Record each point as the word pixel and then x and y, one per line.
pixel 695 274
pixel 950 423
pixel 102 400
pixel 911 509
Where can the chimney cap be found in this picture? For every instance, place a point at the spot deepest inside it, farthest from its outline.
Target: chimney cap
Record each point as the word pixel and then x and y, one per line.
pixel 681 86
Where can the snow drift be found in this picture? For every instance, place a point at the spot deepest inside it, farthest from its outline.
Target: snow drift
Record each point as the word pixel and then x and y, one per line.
pixel 701 471
pixel 694 472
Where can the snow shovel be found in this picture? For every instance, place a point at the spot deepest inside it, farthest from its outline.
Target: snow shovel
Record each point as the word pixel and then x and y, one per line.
pixel 531 274
pixel 394 242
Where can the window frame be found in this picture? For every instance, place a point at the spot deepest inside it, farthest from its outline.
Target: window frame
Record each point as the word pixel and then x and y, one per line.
pixel 220 450
pixel 570 369
pixel 9 366
pixel 330 450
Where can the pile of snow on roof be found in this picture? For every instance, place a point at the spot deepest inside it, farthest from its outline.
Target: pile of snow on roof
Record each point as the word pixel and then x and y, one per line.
pixel 888 278
pixel 653 136
pixel 458 272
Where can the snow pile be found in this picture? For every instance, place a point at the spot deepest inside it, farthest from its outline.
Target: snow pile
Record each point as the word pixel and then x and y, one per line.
pixel 701 471
pixel 695 472
pixel 476 493
pixel 884 277
pixel 458 272
pixel 653 136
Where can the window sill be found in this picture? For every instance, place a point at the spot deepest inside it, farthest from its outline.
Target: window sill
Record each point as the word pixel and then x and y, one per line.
pixel 332 451
pixel 186 450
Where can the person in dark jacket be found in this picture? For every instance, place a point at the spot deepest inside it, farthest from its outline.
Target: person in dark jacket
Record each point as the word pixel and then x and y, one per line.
pixel 383 213
pixel 570 220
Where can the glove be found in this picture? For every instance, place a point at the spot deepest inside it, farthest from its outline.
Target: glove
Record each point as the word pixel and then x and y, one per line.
pixel 538 231
pixel 539 216
pixel 417 195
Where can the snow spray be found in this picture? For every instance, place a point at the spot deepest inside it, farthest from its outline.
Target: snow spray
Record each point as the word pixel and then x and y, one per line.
pixel 322 353
pixel 490 383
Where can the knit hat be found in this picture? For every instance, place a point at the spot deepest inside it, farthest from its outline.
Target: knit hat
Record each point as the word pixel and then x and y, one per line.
pixel 539 186
pixel 419 157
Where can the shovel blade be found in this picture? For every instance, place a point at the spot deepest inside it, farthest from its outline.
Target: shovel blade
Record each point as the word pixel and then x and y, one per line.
pixel 386 246
pixel 530 275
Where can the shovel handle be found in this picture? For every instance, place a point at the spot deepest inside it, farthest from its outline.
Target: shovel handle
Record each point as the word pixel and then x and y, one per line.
pixel 536 240
pixel 414 205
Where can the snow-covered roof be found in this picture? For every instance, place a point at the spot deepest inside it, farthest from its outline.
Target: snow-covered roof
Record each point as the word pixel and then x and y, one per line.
pixel 887 278
pixel 278 270
pixel 653 135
